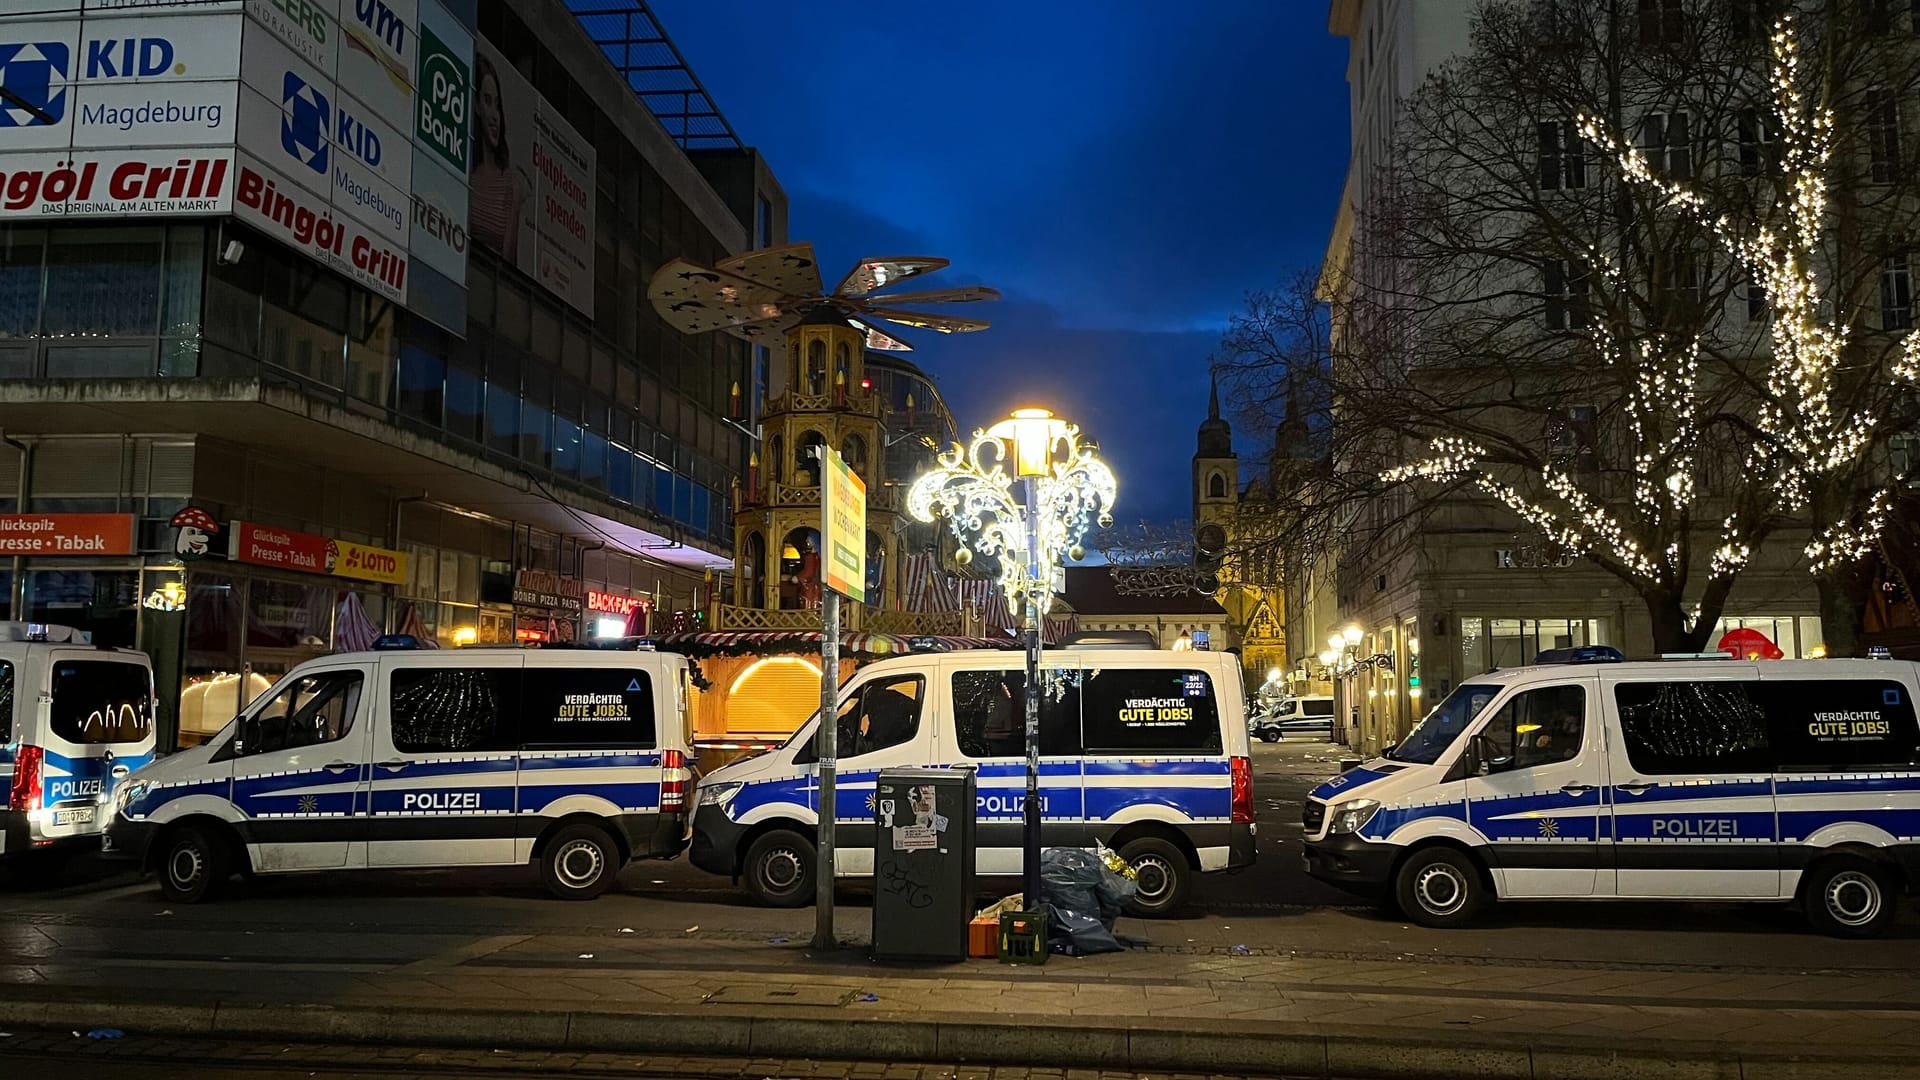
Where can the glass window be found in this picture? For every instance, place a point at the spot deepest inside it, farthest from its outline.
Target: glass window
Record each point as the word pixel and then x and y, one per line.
pixel 21 252
pixel 373 346
pixel 587 707
pixel 1539 727
pixel 304 319
pixel 566 447
pixel 1317 707
pixel 465 401
pixel 1443 726
pixel 101 701
pixel 283 615
pixel 103 282
pixel 422 387
pixel 503 418
pixel 990 713
pixel 882 714
pixel 593 459
pixel 1131 709
pixel 305 711
pixel 446 709
pixel 1678 728
pixel 185 270
pixel 1841 723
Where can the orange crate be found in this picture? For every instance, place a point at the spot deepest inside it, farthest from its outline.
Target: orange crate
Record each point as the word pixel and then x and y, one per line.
pixel 983 937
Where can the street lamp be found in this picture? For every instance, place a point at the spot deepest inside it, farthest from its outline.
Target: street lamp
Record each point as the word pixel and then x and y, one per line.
pixel 1064 489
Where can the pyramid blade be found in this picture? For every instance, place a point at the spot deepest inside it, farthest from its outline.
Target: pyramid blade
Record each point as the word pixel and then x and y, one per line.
pixel 966 295
pixel 871 274
pixel 693 299
pixel 878 338
pixel 766 331
pixel 789 268
pixel 945 324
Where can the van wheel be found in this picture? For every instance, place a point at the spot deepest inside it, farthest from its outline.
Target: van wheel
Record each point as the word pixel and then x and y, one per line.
pixel 1439 887
pixel 194 865
pixel 779 869
pixel 1269 736
pixel 1848 897
pixel 579 862
pixel 1161 877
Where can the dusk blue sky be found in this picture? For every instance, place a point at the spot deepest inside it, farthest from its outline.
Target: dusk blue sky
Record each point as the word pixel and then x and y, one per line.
pixel 1123 171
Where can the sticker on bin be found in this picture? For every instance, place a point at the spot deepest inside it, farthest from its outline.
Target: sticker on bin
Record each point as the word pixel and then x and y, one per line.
pixel 915 838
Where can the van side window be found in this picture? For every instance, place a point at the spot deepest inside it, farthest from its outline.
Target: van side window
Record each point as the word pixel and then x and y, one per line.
pixel 990 713
pixel 101 701
pixel 1839 723
pixel 6 701
pixel 1124 710
pixel 882 714
pixel 305 711
pixel 1540 727
pixel 567 707
pixel 1675 728
pixel 1319 706
pixel 443 710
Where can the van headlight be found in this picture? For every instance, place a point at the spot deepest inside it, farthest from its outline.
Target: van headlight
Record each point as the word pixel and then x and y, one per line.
pixel 129 793
pixel 1352 816
pixel 718 794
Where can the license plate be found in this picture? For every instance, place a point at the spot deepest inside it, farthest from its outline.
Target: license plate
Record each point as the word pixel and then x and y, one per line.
pixel 80 816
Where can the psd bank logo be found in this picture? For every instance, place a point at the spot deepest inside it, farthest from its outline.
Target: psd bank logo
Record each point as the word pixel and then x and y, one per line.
pixel 30 72
pixel 305 118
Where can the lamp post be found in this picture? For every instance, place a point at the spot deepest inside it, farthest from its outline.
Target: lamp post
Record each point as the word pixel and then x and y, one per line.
pixel 1064 488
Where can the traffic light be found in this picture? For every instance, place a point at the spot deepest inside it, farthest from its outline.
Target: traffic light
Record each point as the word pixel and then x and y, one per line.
pixel 1209 544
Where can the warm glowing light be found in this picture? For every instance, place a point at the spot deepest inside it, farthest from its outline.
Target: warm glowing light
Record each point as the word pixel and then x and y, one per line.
pixel 1183 643
pixel 1032 434
pixel 1273 674
pixel 610 628
pixel 773 662
pixel 1351 635
pixel 1328 657
pixel 465 635
pixel 1818 652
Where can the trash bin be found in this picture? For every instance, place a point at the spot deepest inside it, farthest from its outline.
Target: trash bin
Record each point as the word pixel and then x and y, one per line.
pixel 923 863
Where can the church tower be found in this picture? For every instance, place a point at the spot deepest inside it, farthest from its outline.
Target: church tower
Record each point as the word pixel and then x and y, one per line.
pixel 1216 469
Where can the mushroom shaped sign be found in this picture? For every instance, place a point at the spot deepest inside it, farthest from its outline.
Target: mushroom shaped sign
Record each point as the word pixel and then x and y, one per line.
pixel 1745 644
pixel 193 529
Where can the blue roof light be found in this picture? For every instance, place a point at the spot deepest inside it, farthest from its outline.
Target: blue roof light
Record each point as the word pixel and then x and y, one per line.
pixel 1584 654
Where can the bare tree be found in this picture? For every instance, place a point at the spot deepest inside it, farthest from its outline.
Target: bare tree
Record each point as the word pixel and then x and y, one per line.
pixel 1519 326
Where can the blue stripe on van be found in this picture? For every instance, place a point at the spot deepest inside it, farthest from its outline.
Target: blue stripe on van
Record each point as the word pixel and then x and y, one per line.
pixel 1836 785
pixel 1131 767
pixel 630 797
pixel 1902 823
pixel 413 770
pixel 1194 802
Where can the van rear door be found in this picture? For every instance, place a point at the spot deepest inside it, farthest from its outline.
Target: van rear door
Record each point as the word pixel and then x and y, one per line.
pixel 97 727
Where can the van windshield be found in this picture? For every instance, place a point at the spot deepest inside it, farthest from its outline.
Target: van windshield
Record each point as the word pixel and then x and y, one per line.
pixel 1444 725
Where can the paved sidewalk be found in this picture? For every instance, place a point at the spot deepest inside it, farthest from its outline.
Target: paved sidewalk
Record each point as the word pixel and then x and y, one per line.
pixel 1192 1006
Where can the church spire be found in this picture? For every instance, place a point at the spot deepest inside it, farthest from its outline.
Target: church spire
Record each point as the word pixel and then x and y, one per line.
pixel 1213 396
pixel 1216 435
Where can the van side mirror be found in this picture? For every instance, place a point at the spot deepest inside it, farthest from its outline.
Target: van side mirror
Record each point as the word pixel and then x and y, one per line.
pixel 1387 750
pixel 1487 757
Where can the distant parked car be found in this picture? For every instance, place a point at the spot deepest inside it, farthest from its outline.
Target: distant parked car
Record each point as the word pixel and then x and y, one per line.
pixel 1297 716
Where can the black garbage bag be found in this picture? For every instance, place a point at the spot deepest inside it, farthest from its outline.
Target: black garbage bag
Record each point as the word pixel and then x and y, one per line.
pixel 1076 933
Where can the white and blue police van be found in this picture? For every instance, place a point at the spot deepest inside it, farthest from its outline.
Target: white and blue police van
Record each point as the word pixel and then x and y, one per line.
pixel 1142 750
pixel 572 760
pixel 1592 778
pixel 74 721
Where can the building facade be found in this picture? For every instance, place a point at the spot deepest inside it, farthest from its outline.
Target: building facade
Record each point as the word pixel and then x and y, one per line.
pixel 1439 595
pixel 385 370
pixel 1251 593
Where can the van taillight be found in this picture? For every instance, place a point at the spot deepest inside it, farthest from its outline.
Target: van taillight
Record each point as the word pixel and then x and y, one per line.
pixel 1242 791
pixel 674 781
pixel 25 794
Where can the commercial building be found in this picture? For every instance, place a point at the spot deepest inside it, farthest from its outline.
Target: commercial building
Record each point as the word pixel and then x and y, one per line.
pixel 1441 595
pixel 320 320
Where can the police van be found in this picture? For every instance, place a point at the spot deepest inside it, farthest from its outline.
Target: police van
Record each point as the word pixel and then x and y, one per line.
pixel 1595 778
pixel 575 761
pixel 74 720
pixel 1143 750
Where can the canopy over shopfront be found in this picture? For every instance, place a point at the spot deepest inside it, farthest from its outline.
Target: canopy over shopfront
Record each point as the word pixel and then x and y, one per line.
pixel 864 646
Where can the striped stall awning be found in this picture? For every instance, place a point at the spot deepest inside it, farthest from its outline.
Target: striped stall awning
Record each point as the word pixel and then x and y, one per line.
pixel 741 642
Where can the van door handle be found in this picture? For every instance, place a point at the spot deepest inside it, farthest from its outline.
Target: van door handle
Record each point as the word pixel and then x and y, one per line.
pixel 1635 789
pixel 394 766
pixel 338 767
pixel 1577 790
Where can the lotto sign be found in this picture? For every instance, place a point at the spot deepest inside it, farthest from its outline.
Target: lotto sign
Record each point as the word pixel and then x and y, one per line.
pixel 843 528
pixel 364 562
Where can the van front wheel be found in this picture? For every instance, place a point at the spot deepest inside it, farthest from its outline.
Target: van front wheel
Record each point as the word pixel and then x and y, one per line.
pixel 580 862
pixel 1848 897
pixel 1439 887
pixel 779 869
pixel 193 865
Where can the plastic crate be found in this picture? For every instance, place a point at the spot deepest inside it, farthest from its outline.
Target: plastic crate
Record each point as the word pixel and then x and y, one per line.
pixel 1023 937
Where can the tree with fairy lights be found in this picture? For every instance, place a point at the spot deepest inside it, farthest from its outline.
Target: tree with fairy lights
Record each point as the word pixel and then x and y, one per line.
pixel 1525 319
